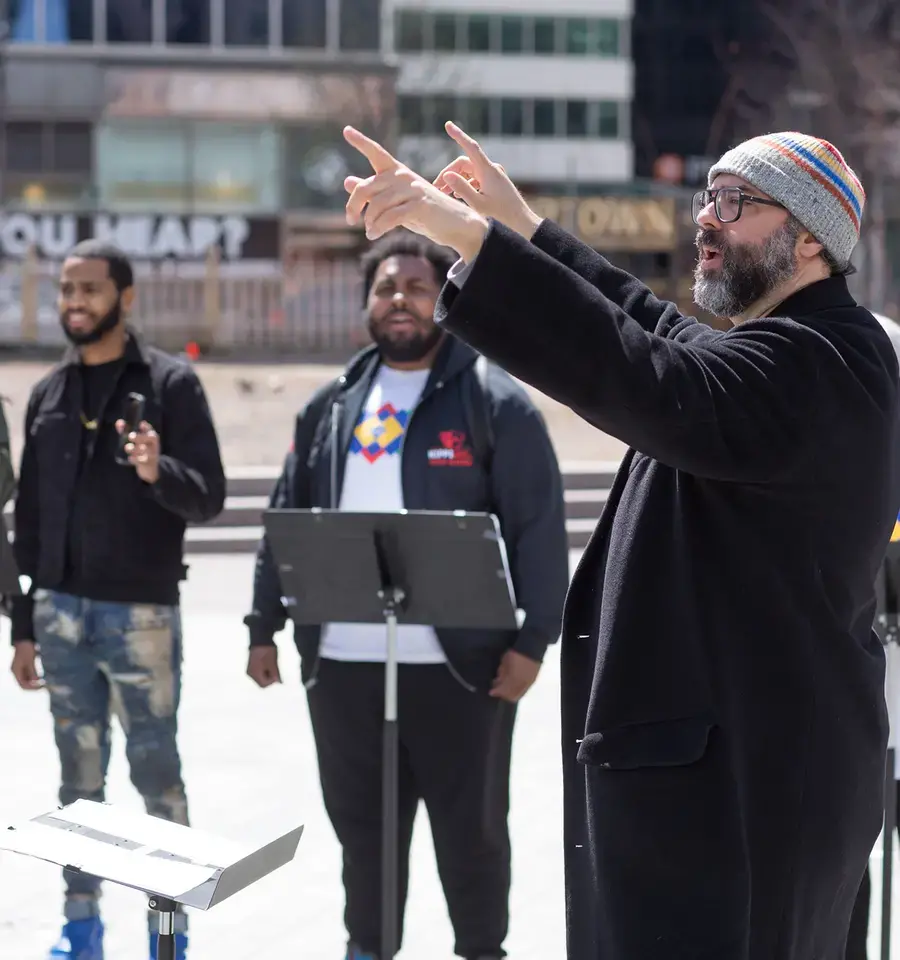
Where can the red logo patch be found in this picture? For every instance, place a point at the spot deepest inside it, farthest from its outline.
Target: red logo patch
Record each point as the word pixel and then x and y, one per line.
pixel 452 452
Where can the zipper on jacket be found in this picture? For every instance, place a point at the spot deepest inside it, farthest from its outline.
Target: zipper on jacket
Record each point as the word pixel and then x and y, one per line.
pixel 335 421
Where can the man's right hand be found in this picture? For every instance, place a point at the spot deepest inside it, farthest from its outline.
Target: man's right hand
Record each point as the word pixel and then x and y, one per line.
pixel 485 187
pixel 262 666
pixel 24 666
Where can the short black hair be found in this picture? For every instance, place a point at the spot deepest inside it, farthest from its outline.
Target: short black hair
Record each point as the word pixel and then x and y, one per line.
pixel 405 243
pixel 120 270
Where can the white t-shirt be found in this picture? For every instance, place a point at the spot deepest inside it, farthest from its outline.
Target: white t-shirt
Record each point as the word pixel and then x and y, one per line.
pixel 373 483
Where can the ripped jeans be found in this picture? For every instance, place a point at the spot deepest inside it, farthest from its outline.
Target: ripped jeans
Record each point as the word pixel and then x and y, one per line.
pixel 101 658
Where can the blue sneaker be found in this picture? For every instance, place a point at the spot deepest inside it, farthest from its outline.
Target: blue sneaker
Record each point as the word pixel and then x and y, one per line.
pixel 354 953
pixel 181 942
pixel 80 940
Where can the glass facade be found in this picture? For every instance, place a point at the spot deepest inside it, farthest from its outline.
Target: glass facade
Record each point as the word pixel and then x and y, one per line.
pixel 427 31
pixel 47 165
pixel 290 24
pixel 170 166
pixel 515 117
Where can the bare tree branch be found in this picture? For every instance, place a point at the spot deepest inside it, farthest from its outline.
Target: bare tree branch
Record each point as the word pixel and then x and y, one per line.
pixel 832 68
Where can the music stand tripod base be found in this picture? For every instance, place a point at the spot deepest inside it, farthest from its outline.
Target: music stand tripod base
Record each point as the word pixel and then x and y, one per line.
pixel 171 864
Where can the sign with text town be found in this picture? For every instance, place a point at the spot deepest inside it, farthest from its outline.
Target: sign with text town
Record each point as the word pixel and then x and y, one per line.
pixel 614 223
pixel 142 237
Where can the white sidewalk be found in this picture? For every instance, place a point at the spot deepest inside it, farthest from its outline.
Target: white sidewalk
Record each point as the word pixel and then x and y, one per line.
pixel 250 771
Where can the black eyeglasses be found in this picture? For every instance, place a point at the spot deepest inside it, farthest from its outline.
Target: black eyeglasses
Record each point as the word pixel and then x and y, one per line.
pixel 729 202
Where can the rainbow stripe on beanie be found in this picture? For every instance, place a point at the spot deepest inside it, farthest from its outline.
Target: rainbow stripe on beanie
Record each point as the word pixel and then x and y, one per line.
pixel 810 178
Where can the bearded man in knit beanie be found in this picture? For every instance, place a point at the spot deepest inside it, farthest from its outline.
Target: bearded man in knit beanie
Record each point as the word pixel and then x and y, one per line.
pixel 724 729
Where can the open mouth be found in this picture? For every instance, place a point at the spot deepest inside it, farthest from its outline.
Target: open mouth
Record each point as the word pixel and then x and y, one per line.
pixel 710 257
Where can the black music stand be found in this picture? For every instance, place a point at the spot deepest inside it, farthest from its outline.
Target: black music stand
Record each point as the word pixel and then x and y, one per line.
pixel 445 570
pixel 887 625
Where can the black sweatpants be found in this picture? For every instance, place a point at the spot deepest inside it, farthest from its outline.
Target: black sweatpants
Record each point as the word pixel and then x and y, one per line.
pixel 455 749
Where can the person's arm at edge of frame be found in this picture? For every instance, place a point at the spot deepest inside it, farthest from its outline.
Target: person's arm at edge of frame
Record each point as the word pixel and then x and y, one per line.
pixel 529 498
pixel 26 546
pixel 7 470
pixel 191 480
pixel 268 614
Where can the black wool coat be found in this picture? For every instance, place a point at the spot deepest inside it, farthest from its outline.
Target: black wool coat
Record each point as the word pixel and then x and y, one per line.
pixel 724 724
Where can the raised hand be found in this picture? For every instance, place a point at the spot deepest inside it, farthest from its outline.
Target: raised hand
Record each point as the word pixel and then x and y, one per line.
pixel 485 187
pixel 395 196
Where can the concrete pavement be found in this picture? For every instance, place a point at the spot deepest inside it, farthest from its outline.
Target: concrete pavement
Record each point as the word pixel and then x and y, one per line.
pixel 250 771
pixel 254 406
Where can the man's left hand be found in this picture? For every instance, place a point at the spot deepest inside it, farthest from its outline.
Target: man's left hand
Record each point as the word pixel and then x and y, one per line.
pixel 515 677
pixel 395 196
pixel 143 451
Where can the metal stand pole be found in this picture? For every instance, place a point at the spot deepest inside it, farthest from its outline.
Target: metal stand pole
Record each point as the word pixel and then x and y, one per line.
pixel 887 849
pixel 166 935
pixel 393 597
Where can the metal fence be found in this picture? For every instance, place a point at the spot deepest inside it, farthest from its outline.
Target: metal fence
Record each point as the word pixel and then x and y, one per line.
pixel 239 309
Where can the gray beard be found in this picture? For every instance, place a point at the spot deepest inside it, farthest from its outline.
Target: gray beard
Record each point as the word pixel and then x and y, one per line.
pixel 748 274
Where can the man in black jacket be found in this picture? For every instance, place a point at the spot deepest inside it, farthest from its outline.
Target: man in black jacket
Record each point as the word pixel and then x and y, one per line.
pixel 102 543
pixel 724 723
pixel 399 430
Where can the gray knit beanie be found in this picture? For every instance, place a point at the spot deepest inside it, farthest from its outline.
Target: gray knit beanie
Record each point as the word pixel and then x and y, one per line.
pixel 810 178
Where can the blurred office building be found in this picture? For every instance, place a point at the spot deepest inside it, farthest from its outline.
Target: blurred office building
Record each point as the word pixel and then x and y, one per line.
pixel 204 136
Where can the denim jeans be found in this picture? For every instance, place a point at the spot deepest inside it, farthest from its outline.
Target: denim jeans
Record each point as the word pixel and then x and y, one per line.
pixel 101 658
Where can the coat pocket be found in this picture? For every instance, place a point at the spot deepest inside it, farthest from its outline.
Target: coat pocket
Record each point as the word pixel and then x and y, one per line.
pixel 663 743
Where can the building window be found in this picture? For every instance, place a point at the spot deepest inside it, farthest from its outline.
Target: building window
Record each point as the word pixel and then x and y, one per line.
pixel 25 148
pixel 608 120
pixel 512 35
pixel 545 35
pixel 411 113
pixel 207 167
pixel 409 31
pixel 247 23
pixel 607 38
pixel 577 119
pixel 478 111
pixel 235 167
pixel 442 110
pixel 64 21
pixel 47 164
pixel 360 24
pixel 577 36
pixel 317 161
pixel 187 21
pixel 303 25
pixel 445 32
pixel 143 166
pixel 511 117
pixel 545 118
pixel 479 34
pixel 129 21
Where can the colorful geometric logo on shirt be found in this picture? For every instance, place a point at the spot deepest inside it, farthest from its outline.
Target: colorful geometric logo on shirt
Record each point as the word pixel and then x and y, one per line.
pixel 895 536
pixel 380 433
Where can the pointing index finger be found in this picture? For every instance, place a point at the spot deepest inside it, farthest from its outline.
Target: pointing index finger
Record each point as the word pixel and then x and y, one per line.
pixel 471 146
pixel 374 152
